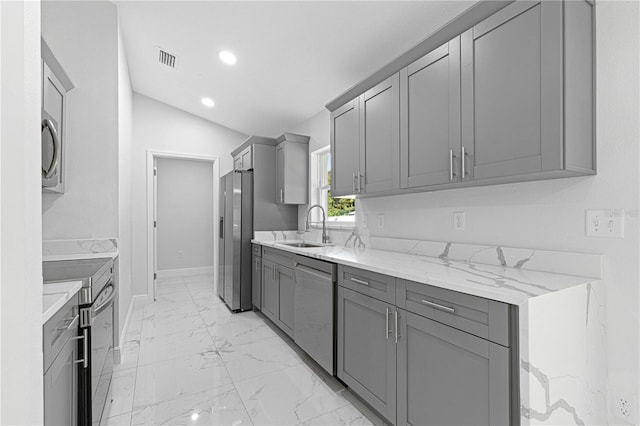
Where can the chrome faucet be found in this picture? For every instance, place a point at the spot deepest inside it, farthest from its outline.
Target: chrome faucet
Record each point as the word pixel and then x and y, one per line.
pixel 325 237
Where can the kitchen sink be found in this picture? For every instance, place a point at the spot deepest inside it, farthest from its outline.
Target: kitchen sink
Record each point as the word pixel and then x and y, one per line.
pixel 300 244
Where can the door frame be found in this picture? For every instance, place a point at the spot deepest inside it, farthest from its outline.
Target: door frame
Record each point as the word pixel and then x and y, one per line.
pixel 152 156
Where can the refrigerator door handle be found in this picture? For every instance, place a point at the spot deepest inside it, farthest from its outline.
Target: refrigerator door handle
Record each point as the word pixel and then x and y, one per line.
pixel 222 227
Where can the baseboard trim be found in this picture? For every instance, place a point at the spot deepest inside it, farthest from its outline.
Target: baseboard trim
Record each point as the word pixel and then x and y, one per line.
pixel 168 273
pixel 138 300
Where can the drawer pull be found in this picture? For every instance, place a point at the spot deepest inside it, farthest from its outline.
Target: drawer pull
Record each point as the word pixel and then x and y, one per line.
pixel 357 281
pixel 440 307
pixel 386 325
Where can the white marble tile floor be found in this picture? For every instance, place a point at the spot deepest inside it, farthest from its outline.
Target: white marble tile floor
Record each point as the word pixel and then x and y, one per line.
pixel 187 360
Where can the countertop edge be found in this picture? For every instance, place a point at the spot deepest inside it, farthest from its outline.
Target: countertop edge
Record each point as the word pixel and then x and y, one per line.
pixel 79 256
pixel 74 288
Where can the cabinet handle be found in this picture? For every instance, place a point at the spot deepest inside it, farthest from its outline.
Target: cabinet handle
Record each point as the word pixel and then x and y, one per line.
pixel 395 320
pixel 282 195
pixel 451 172
pixel 386 324
pixel 353 182
pixel 85 348
pixel 357 281
pixel 359 183
pixel 440 307
pixel 464 170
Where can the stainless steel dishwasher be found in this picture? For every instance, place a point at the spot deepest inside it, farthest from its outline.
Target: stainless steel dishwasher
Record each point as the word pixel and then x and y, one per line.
pixel 313 310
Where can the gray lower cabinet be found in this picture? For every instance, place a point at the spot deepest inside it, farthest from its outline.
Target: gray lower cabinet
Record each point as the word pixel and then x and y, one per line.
pixel 434 357
pixel 278 287
pixel 286 298
pixel 256 276
pixel 430 112
pixel 449 377
pixel 61 388
pixel 367 350
pixel 269 290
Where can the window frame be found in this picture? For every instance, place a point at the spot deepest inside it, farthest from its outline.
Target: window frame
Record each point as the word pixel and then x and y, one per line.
pixel 318 195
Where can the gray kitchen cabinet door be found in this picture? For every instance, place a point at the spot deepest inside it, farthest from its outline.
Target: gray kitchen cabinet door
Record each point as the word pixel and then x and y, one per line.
pixel 367 350
pixel 269 290
pixel 345 148
pixel 60 388
pixel 286 298
pixel 292 173
pixel 430 112
pixel 280 165
pixel 449 377
pixel 256 282
pixel 237 162
pixel 512 104
pixel 380 138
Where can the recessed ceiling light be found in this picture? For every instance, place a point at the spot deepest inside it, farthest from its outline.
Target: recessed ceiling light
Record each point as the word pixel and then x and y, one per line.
pixel 208 102
pixel 227 57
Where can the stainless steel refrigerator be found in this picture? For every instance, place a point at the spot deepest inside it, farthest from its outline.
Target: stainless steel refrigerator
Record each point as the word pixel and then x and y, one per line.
pixel 235 234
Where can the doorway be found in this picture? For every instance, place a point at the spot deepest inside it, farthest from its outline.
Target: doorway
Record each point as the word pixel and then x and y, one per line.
pixel 181 207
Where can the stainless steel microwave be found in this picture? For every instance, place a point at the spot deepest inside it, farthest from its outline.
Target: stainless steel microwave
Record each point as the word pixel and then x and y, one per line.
pixel 55 85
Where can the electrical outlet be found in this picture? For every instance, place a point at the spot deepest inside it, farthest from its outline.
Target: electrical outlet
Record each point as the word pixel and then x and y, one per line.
pixel 623 408
pixel 458 221
pixel 605 223
pixel 380 221
pixel 180 254
pixel 364 220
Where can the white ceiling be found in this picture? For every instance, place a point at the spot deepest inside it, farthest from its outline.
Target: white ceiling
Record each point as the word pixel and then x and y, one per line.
pixel 293 57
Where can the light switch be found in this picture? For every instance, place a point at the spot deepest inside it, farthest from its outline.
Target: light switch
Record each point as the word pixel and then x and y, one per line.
pixel 458 221
pixel 605 223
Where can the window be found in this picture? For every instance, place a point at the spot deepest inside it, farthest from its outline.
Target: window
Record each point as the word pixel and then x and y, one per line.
pixel 340 211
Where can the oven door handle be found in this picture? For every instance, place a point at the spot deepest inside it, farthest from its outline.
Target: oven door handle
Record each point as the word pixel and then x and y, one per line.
pixel 97 310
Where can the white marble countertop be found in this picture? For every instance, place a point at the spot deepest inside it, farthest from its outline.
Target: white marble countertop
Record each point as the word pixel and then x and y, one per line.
pixel 78 256
pixel 504 284
pixel 98 248
pixel 55 295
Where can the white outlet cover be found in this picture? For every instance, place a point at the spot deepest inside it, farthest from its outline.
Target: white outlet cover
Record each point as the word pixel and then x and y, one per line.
pixel 458 221
pixel 380 221
pixel 605 223
pixel 624 408
pixel 364 220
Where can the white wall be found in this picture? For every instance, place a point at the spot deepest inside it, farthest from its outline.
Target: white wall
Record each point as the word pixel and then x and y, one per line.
pixel 160 127
pixel 125 117
pixel 184 213
pixel 21 384
pixel 551 214
pixel 84 38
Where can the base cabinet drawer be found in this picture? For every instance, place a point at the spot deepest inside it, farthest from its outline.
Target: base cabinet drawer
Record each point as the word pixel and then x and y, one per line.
pixel 382 287
pixel 449 377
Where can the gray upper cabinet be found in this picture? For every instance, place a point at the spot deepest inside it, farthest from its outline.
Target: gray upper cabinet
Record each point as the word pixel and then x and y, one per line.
pixel 430 113
pixel 365 142
pixel 380 138
pixel 244 159
pixel 513 95
pixel 509 98
pixel 292 169
pixel 367 350
pixel 345 148
pixel 449 377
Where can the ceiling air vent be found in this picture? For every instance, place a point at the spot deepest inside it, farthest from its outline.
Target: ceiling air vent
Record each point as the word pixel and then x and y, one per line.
pixel 165 58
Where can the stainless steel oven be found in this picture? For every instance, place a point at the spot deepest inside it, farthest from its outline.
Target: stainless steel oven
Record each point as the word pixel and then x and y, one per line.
pixel 97 310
